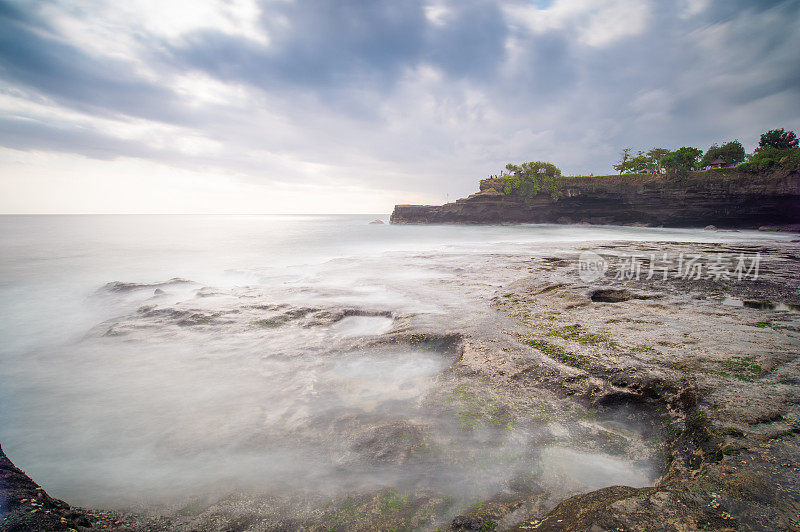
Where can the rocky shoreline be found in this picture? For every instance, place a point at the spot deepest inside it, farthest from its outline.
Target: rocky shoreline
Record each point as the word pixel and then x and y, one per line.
pixel 726 378
pixel 708 368
pixel 726 198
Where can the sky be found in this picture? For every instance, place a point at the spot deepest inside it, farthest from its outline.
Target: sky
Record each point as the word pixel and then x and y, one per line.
pixel 352 106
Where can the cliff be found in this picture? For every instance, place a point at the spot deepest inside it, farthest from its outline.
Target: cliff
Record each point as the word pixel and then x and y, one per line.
pixel 726 198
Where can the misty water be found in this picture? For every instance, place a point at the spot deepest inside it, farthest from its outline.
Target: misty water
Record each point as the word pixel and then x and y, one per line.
pixel 152 359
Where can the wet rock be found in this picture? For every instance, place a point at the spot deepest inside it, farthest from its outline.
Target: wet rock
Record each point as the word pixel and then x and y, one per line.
pixel 710 228
pixel 387 509
pixel 376 222
pixel 395 443
pixel 207 291
pixel 610 295
pixel 26 506
pixel 80 519
pixel 583 512
pixel 525 484
pixel 450 345
pixel 184 318
pixel 122 287
pixel 302 315
pixel 466 522
pixel 729 390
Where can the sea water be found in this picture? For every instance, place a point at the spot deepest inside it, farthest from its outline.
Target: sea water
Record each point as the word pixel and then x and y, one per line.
pixel 149 357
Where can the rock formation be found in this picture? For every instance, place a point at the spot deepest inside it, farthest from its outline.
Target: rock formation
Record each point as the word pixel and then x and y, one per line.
pixel 24 505
pixel 726 198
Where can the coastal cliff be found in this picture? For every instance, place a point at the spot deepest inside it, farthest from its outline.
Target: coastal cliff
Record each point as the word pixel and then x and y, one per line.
pixel 726 198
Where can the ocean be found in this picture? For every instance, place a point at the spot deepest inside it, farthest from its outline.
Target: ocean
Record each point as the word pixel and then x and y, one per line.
pixel 148 360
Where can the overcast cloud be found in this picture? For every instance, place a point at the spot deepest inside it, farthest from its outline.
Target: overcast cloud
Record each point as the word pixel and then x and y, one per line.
pixel 354 105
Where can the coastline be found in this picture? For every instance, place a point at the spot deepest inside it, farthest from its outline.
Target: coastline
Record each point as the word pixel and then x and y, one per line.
pixel 717 384
pixel 726 198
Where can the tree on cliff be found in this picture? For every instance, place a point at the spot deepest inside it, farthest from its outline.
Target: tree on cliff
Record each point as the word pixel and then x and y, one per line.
pixel 778 139
pixel 730 152
pixel 657 157
pixel 638 164
pixel 642 162
pixel 531 178
pixel 681 161
pixel 777 149
pixel 624 156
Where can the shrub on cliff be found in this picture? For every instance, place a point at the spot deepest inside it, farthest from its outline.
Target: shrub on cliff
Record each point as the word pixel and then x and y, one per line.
pixel 767 158
pixel 529 179
pixel 777 149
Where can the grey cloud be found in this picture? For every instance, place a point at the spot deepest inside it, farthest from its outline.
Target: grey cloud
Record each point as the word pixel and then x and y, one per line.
pixel 340 78
pixel 470 43
pixel 25 135
pixel 329 46
pixel 63 72
pixel 326 44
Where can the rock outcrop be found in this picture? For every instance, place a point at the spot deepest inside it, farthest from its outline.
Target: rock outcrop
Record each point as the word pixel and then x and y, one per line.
pixel 24 505
pixel 726 198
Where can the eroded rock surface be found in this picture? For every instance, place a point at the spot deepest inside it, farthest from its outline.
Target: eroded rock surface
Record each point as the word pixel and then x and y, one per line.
pixel 690 399
pixel 725 379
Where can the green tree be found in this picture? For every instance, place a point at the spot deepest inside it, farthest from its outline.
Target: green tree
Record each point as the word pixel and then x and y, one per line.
pixel 531 178
pixel 730 152
pixel 767 159
pixel 778 139
pixel 681 161
pixel 624 155
pixel 637 164
pixel 657 156
pixel 641 162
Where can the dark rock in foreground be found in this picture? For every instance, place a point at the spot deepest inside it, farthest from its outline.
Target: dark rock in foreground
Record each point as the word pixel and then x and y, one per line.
pixel 727 199
pixel 25 506
pixel 611 296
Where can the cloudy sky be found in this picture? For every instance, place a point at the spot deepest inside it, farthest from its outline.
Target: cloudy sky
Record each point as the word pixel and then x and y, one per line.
pixel 261 106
